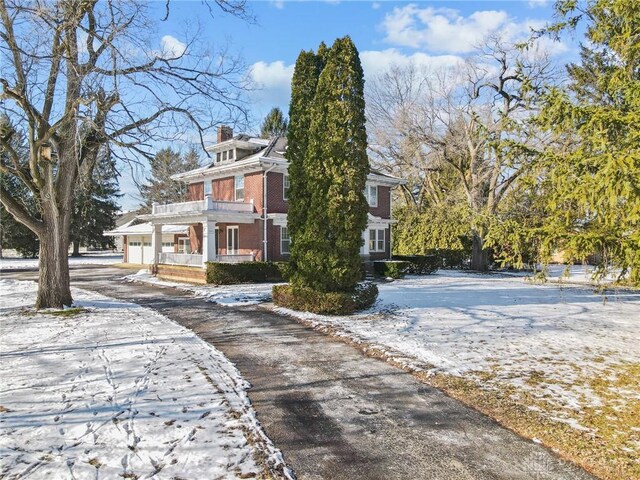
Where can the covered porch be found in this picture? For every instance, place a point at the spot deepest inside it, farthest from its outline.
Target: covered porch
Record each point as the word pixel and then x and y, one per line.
pixel 213 232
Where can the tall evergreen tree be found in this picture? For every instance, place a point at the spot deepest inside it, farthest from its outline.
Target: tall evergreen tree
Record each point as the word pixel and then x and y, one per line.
pixel 594 177
pixel 95 207
pixel 336 168
pixel 274 125
pixel 160 187
pixel 303 90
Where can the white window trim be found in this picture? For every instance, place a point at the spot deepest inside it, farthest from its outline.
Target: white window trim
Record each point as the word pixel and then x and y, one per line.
pixel 282 251
pixel 369 187
pixel 182 242
pixel 237 247
pixel 235 188
pixel 377 240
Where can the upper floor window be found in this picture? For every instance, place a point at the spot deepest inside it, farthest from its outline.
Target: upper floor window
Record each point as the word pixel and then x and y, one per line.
pixel 285 187
pixel 231 154
pixel 371 192
pixel 218 157
pixel 224 156
pixel 239 187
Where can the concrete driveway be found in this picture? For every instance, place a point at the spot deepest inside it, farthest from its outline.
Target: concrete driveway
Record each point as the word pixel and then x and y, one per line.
pixel 335 413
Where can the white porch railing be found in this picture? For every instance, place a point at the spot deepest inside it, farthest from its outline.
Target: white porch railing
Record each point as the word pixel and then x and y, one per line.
pixel 189 259
pixel 234 258
pixel 202 205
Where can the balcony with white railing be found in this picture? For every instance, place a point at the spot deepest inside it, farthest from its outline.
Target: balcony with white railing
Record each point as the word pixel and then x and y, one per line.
pixel 198 206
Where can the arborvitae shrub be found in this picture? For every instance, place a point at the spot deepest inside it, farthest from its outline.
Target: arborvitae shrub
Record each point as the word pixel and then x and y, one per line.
pixel 327 303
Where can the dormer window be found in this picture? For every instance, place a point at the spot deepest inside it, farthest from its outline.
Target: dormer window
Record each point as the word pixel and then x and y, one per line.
pixel 224 156
pixel 218 157
pixel 231 154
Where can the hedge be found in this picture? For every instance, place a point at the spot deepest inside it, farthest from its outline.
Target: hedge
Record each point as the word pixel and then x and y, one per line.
pixel 451 258
pixel 420 264
pixel 246 272
pixel 391 268
pixel 328 303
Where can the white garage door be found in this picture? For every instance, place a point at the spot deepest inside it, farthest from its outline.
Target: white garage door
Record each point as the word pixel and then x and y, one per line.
pixel 147 251
pixel 134 252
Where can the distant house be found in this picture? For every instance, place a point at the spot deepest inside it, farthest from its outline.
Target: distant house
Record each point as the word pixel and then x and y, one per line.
pixel 237 210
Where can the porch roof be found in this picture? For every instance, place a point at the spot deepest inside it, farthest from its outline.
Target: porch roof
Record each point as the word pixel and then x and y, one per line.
pixel 143 229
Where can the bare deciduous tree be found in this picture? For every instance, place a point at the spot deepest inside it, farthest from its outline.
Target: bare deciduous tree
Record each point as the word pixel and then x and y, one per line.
pixel 79 75
pixel 474 119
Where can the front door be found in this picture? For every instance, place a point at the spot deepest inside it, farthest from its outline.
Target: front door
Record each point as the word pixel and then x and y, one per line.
pixel 233 240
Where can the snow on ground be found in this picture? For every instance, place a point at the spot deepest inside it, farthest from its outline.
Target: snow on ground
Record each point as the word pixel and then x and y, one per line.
pixel 115 391
pixel 580 274
pixel 85 259
pixel 550 341
pixel 227 295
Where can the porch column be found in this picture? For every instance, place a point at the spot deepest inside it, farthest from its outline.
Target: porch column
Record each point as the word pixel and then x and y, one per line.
pixel 156 242
pixel 208 242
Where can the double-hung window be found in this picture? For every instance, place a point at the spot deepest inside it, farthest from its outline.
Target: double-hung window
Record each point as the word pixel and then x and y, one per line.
pixel 371 192
pixel 285 241
pixel 239 187
pixel 376 240
pixel 285 187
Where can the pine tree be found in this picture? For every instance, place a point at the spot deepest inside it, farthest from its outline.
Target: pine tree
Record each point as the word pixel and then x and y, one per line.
pixel 336 168
pixel 303 91
pixel 95 206
pixel 594 179
pixel 13 234
pixel 160 187
pixel 274 124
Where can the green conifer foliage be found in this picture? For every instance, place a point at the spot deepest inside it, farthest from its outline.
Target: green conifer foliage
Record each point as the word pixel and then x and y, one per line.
pixel 274 125
pixel 594 204
pixel 303 91
pixel 336 168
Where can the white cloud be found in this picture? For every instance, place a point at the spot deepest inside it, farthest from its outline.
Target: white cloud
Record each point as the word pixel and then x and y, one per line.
pixel 273 80
pixel 446 30
pixel 172 47
pixel 376 5
pixel 273 84
pixel 376 62
pixel 538 3
pixel 279 4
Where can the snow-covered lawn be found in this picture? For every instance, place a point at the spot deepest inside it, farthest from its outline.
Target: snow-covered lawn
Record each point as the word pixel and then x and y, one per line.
pixel 85 259
pixel 565 351
pixel 227 295
pixel 119 391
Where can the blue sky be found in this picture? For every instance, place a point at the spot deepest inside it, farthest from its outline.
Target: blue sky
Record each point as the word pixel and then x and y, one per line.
pixel 385 32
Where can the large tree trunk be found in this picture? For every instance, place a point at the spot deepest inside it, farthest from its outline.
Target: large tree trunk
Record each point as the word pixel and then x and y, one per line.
pixel 53 286
pixel 479 254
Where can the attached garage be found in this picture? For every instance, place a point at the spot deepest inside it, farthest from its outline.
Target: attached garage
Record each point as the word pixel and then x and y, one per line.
pixel 137 241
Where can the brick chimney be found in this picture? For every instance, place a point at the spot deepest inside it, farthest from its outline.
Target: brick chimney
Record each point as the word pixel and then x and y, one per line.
pixel 224 133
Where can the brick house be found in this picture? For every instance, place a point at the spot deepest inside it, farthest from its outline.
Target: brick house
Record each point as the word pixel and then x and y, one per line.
pixel 237 208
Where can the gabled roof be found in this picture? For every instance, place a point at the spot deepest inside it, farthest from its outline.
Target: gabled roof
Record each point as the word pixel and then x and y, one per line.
pixel 271 153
